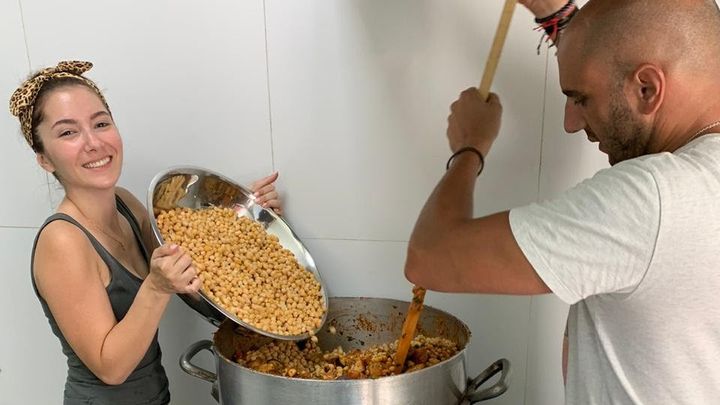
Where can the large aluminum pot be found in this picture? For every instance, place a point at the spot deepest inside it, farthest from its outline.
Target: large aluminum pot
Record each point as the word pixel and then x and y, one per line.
pixel 359 322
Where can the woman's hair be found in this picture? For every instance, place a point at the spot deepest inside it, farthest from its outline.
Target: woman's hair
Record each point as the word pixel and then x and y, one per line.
pixel 28 100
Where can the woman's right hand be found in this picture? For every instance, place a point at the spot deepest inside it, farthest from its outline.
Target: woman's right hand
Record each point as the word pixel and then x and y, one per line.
pixel 543 8
pixel 172 271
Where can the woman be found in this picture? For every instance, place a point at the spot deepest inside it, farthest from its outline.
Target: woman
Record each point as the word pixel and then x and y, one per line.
pixel 102 291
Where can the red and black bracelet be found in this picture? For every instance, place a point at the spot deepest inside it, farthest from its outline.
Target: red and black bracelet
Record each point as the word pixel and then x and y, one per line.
pixel 553 24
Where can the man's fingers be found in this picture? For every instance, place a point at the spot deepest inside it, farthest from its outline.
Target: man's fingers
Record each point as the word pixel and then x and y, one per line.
pixel 470 91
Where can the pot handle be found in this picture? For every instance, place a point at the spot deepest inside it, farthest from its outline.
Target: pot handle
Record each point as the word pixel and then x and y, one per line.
pixel 192 369
pixel 473 395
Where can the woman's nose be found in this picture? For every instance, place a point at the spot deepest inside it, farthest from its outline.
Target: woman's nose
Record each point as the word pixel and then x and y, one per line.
pixel 92 141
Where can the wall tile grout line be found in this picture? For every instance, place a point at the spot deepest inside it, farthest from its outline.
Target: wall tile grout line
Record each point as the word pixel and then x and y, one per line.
pixel 542 123
pixel 356 240
pixel 25 39
pixel 29 61
pixel 542 138
pixel 267 70
pixel 18 227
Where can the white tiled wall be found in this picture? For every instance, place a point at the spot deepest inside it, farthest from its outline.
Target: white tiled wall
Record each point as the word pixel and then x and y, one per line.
pixel 348 99
pixel 24 184
pixel 186 80
pixel 360 94
pixel 30 354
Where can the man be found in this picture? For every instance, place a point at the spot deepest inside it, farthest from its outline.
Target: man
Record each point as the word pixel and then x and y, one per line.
pixel 635 250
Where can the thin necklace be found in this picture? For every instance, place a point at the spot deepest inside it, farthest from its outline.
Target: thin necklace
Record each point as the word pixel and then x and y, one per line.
pixel 703 129
pixel 98 228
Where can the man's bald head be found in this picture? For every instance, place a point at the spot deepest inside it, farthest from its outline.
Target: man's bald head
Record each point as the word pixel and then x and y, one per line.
pixel 640 75
pixel 682 34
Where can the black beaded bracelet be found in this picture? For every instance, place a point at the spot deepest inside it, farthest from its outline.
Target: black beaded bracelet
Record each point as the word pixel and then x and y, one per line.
pixel 467 149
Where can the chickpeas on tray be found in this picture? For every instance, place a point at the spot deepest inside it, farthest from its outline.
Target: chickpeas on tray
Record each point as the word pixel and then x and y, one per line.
pixel 246 270
pixel 253 268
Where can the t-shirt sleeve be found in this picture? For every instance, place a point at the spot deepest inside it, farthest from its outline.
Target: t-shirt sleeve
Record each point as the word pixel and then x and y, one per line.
pixel 596 238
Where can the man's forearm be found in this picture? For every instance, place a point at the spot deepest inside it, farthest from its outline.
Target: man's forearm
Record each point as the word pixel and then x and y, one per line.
pixel 449 204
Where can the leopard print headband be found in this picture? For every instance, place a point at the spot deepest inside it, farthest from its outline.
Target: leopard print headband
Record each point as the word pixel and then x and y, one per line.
pixel 23 99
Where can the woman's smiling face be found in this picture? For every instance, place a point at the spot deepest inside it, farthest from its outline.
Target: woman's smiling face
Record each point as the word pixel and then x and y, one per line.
pixel 81 144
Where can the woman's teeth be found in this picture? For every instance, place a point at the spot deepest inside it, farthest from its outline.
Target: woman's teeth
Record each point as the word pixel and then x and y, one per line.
pixel 97 163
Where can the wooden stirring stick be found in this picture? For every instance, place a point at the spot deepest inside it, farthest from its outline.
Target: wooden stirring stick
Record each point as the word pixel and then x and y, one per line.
pixel 408 330
pixel 413 315
pixel 498 42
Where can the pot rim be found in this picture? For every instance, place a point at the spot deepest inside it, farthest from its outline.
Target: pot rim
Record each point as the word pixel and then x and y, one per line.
pixel 460 352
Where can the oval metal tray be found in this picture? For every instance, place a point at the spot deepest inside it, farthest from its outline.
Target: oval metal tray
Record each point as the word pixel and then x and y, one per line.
pixel 197 188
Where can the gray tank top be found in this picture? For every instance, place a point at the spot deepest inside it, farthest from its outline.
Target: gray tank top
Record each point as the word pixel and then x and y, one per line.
pixel 148 383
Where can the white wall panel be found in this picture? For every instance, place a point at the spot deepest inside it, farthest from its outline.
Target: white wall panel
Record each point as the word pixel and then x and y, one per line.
pixel 544 384
pixel 360 93
pixel 181 327
pixel 186 80
pixel 29 353
pixel 24 183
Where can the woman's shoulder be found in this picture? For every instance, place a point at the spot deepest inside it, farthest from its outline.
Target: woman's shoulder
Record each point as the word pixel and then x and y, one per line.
pixel 137 208
pixel 62 244
pixel 61 233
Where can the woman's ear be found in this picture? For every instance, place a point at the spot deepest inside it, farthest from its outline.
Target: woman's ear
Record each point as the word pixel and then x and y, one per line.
pixel 648 88
pixel 44 162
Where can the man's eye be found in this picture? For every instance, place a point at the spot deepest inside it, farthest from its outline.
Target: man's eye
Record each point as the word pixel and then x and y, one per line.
pixel 579 101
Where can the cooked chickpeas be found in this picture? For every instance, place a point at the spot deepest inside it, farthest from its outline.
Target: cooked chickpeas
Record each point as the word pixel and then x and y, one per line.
pixel 286 358
pixel 246 270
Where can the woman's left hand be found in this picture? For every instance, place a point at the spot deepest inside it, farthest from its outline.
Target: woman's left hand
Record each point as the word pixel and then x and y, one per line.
pixel 266 195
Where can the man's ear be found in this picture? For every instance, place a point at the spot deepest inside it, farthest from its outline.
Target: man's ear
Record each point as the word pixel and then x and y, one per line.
pixel 648 88
pixel 44 162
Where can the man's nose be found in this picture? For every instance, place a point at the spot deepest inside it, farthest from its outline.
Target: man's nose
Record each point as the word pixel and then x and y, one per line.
pixel 574 120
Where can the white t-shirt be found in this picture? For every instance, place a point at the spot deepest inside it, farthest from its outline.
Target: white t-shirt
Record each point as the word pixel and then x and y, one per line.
pixel 636 251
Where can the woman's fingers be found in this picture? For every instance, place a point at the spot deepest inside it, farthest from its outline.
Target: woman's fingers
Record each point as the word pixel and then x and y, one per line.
pixel 182 263
pixel 173 270
pixel 165 250
pixel 265 181
pixel 263 193
pixel 267 197
pixel 193 286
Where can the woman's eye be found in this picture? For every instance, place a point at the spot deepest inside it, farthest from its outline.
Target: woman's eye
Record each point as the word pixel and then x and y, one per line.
pixel 66 133
pixel 102 124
